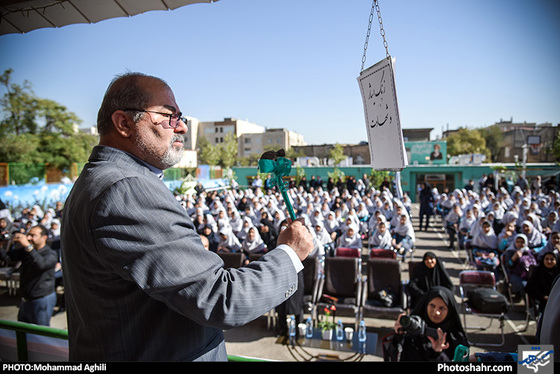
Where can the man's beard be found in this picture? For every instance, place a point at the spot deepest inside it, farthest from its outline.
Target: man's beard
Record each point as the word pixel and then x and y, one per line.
pixel 171 157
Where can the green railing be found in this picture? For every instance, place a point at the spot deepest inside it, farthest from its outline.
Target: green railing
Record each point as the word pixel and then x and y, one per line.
pixel 22 329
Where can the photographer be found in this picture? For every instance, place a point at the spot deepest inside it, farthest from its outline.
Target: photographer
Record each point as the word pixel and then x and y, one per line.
pixel 431 333
pixel 38 262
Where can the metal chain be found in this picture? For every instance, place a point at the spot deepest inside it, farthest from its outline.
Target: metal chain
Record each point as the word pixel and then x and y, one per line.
pixel 367 35
pixel 374 6
pixel 381 29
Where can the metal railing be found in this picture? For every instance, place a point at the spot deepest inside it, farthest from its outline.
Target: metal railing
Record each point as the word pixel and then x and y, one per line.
pixel 22 329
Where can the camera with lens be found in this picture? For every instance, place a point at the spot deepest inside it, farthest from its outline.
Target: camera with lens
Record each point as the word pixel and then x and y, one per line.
pixel 415 325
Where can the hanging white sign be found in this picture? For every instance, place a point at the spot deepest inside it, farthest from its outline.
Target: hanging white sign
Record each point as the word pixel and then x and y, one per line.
pixel 386 143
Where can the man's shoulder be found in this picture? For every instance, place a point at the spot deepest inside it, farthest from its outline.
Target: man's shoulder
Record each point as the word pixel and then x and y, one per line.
pixel 108 165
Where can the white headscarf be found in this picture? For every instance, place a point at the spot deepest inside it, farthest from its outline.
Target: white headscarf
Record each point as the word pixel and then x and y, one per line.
pixel 353 241
pixel 230 243
pixel 256 244
pixel 381 240
pixel 405 229
pixel 485 240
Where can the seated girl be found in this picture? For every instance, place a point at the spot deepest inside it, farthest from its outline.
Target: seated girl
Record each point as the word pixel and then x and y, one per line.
pixel 506 237
pixel 253 243
pixel 518 259
pixel 465 227
pixel 485 247
pixel 350 238
pixel 403 235
pixel 381 237
pixel 535 239
pixel 228 241
pixel 332 225
pixel 323 239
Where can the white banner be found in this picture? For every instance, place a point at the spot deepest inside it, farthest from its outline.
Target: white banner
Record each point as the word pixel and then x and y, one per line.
pixel 386 143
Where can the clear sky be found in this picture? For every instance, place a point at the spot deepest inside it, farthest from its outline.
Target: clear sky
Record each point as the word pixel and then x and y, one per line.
pixel 294 63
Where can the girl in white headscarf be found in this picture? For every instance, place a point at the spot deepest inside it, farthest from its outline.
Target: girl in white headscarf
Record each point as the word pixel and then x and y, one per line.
pixel 331 225
pixel 47 218
pixel 350 238
pixel 316 216
pixel 518 259
pixel 228 241
pixel 247 224
pixel 253 242
pixel 549 222
pixel 403 235
pixel 323 241
pixel 235 221
pixel 535 239
pixel 381 237
pixel 536 221
pixel 506 237
pixel 209 220
pixel 485 247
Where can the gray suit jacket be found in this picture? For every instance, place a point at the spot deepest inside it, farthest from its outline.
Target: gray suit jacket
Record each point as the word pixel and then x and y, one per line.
pixel 139 284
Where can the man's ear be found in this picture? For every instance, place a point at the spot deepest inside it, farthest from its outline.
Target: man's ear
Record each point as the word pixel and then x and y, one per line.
pixel 122 123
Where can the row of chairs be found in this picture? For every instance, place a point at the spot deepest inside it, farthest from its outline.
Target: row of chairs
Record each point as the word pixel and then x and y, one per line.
pixel 529 304
pixel 9 270
pixel 358 290
pixel 357 286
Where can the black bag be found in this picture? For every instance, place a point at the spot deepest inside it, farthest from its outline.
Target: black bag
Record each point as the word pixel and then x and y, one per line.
pixel 487 300
pixel 385 297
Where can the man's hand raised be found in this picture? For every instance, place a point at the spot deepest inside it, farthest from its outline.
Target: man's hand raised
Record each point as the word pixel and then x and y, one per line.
pixel 298 237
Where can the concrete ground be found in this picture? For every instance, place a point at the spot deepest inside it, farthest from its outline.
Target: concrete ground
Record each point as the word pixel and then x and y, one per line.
pixel 258 341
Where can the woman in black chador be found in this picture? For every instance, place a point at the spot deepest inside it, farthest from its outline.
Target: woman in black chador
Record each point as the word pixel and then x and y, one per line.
pixel 442 332
pixel 426 275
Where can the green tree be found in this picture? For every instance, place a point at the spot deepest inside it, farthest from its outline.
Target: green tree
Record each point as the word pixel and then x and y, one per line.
pixel 207 153
pixel 228 151
pixel 336 154
pixel 19 105
pixel 223 154
pixel 494 138
pixel 35 130
pixel 556 149
pixel 466 141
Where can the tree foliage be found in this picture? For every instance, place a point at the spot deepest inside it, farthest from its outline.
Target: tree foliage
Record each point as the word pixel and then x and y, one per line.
pixel 494 137
pixel 37 130
pixel 222 154
pixel 556 149
pixel 337 154
pixel 466 141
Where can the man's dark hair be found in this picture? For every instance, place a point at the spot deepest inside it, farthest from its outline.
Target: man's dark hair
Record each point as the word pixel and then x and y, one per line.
pixel 44 231
pixel 124 92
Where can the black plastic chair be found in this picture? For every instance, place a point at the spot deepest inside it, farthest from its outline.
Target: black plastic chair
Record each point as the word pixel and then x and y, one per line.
pixel 232 260
pixel 341 285
pixel 468 281
pixel 383 276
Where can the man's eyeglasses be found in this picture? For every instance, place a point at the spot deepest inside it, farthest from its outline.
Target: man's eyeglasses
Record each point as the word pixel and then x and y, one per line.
pixel 173 121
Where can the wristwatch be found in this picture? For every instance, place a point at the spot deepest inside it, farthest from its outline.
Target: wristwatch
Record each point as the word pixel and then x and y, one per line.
pixel 29 248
